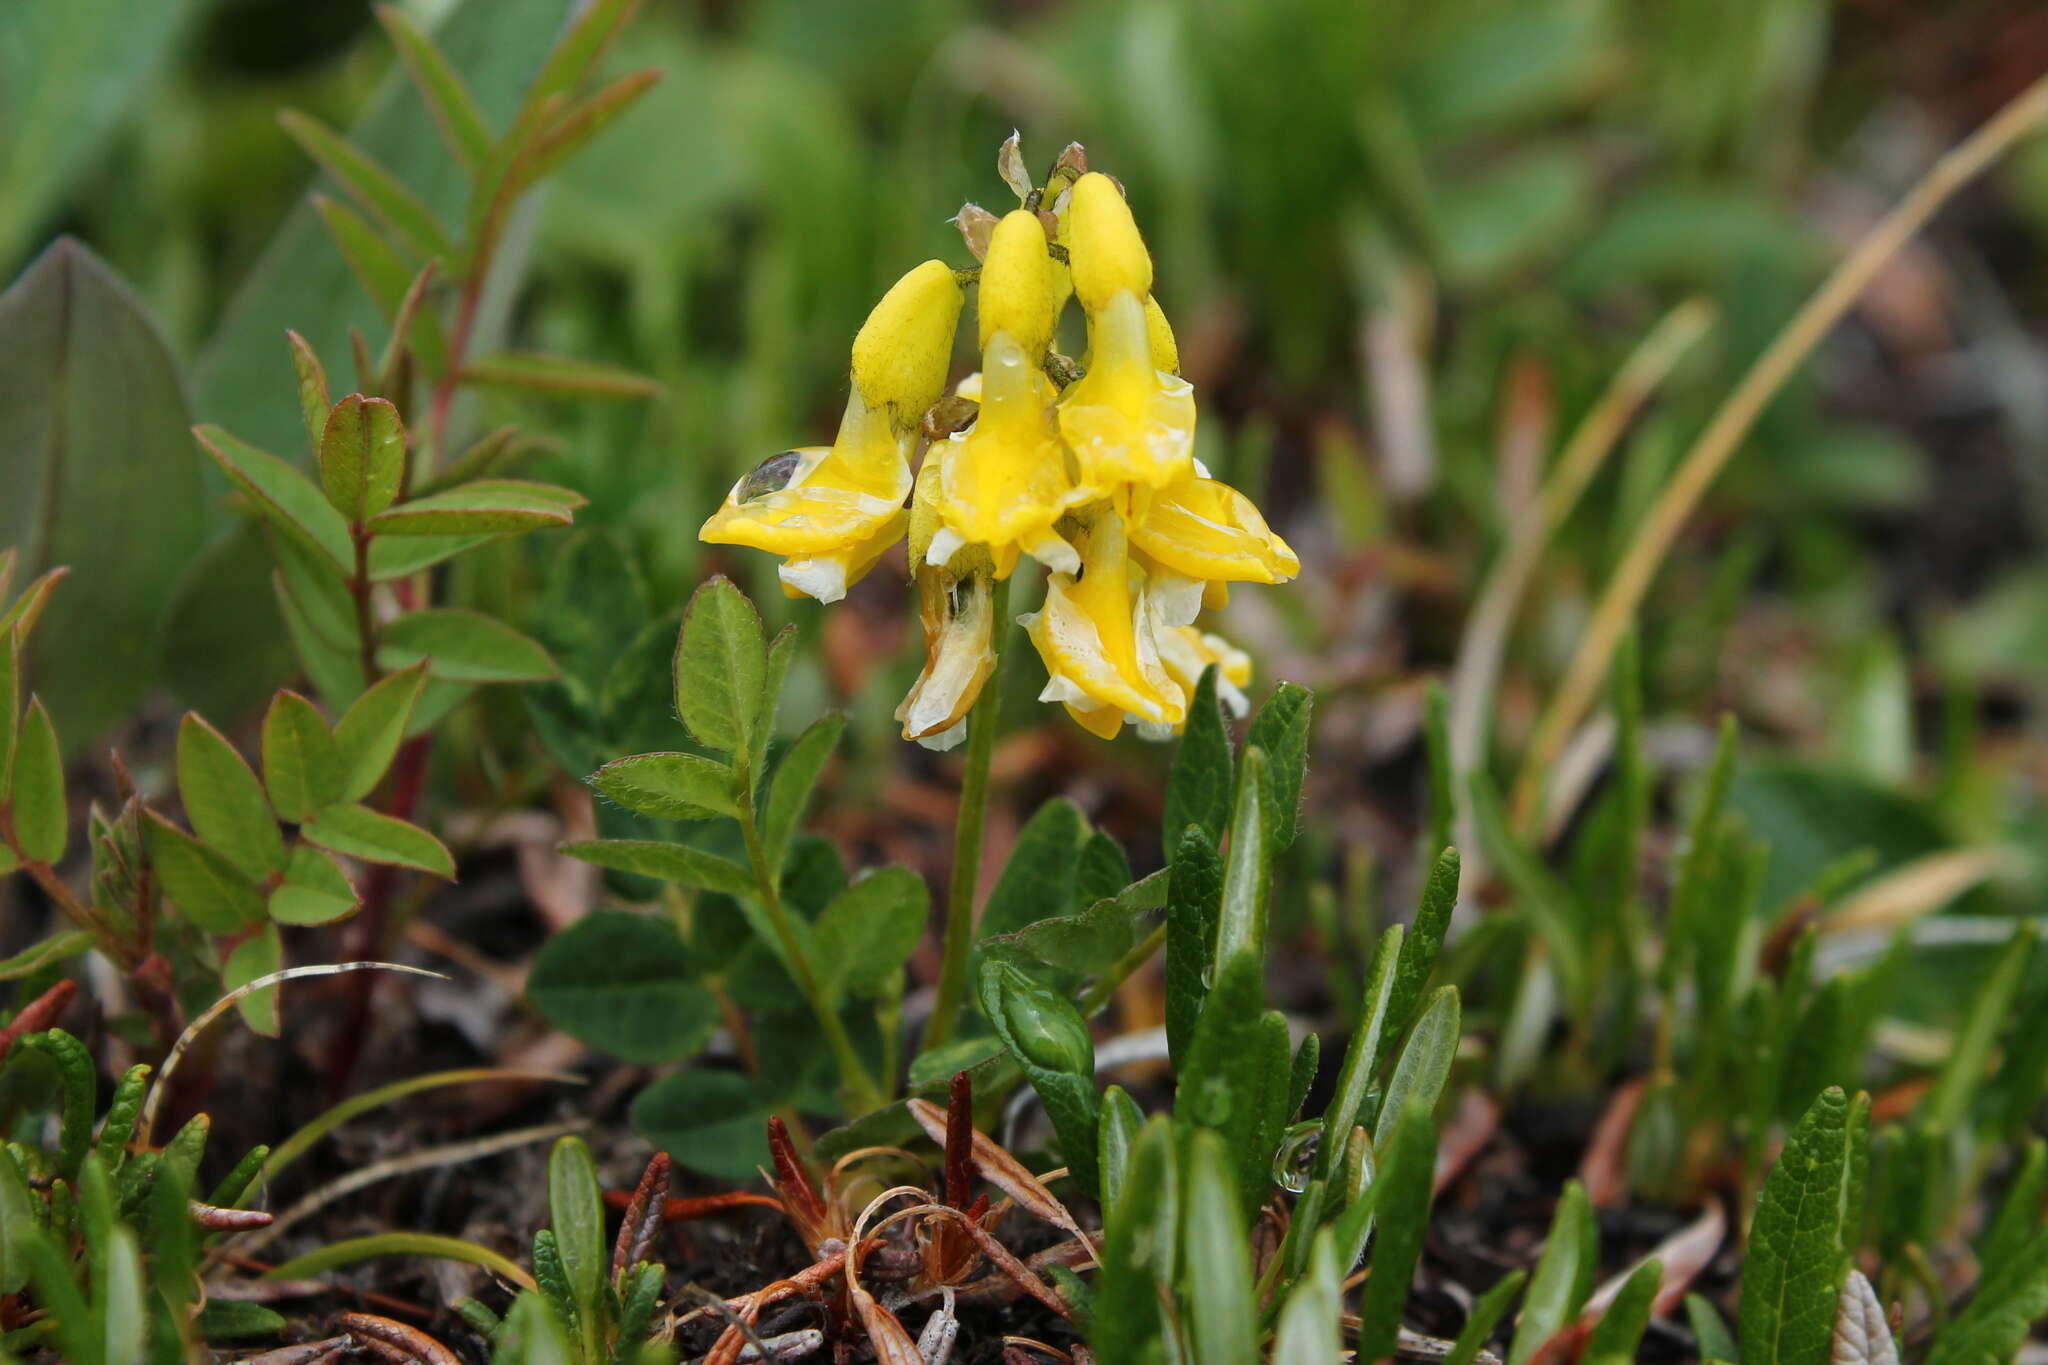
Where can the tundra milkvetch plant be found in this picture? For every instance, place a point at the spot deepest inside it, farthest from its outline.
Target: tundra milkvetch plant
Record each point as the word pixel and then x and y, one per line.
pixel 1086 466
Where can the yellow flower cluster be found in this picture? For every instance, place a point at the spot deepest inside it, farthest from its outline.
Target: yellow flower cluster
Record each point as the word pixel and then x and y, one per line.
pixel 1087 467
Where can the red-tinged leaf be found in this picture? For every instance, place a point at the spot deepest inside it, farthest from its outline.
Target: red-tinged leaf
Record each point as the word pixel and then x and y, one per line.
pixel 471 510
pixel 286 498
pixel 375 190
pixel 454 108
pixel 362 456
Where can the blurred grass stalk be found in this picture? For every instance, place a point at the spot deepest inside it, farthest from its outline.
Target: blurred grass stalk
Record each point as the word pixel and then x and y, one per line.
pixel 1733 421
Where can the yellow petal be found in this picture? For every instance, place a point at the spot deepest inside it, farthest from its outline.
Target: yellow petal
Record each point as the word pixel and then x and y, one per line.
pixel 1108 256
pixel 828 576
pixel 1004 481
pixel 959 627
pixel 904 349
pixel 1208 530
pixel 1186 651
pixel 1098 634
pixel 1159 332
pixel 1126 421
pixel 839 505
pixel 1018 292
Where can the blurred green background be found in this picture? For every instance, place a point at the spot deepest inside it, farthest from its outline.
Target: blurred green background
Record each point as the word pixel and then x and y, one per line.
pixel 1405 245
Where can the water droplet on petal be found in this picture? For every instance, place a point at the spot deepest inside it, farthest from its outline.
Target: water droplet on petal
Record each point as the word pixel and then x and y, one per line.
pixel 772 475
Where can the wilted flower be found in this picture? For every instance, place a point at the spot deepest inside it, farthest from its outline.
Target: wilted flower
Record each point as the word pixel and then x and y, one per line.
pixel 1086 467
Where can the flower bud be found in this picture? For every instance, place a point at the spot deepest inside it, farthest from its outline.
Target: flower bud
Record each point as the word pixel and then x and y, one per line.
pixel 1018 284
pixel 1040 1024
pixel 1108 254
pixel 903 350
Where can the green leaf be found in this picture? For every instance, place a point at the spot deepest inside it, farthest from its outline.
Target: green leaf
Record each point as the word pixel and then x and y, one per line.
pixel 1037 882
pixel 368 735
pixel 710 1121
pixel 380 193
pixel 1425 941
pixel 314 402
pixel 286 498
pixel 1046 1034
pixel 1141 1239
pixel 1247 871
pixel 256 956
pixel 1237 1076
pixel 1090 942
pixel 1194 903
pixel 780 650
pixel 1198 792
pixel 1716 1341
pixel 670 786
pixel 1280 731
pixel 51 951
pixel 462 124
pixel 795 778
pixel 721 662
pixel 1563 1275
pixel 1222 1316
pixel 360 832
pixel 236 1320
pixel 576 1216
pixel 225 802
pixel 2010 1300
pixel 315 890
pixel 1407 1149
pixel 463 646
pixel 623 984
pixel 1307 1332
pixel 1425 1063
pixel 1797 1246
pixel 1443 782
pixel 1620 1329
pixel 354 1250
pixel 1361 1056
pixel 868 931
pixel 301 764
pixel 362 457
pixel 35 788
pixel 2019 1213
pixel 1947 1104
pixel 242 378
pixel 1484 1317
pixel 669 862
pixel 532 372
pixel 494 507
pixel 95 470
pixel 203 884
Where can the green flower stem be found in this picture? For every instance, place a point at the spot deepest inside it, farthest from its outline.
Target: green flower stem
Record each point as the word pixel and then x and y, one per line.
pixel 1120 971
pixel 968 829
pixel 857 1088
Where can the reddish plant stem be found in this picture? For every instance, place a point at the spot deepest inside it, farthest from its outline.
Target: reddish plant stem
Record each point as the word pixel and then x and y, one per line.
pixel 38 1014
pixel 371 929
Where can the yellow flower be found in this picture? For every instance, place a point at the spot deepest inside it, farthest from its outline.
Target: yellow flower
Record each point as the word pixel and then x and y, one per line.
pixel 1186 651
pixel 1004 481
pixel 957 610
pixel 1098 635
pixel 1128 420
pixel 1205 529
pixel 832 511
